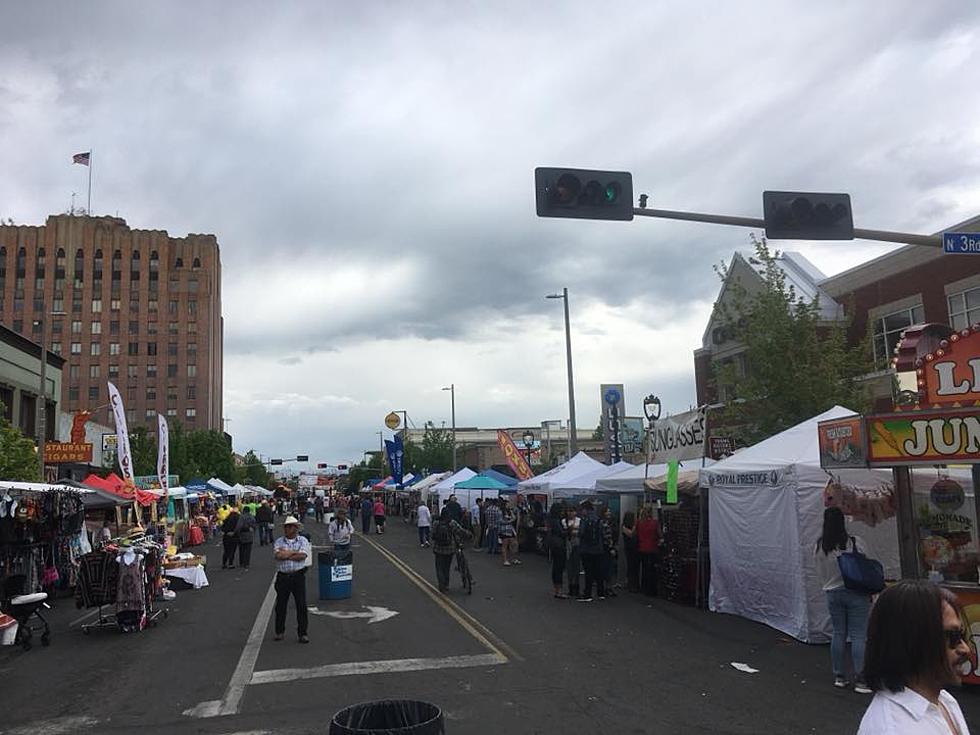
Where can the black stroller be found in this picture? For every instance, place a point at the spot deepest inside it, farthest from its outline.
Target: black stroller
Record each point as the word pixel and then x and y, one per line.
pixel 26 610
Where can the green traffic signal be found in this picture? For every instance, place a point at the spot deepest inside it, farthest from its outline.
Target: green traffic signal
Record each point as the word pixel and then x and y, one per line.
pixel 583 193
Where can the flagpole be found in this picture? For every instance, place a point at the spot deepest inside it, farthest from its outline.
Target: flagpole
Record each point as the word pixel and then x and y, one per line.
pixel 91 161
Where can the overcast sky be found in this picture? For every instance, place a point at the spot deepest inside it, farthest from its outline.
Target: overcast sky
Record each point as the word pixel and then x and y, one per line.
pixel 367 169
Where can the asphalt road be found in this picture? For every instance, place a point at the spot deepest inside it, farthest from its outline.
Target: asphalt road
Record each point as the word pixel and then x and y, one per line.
pixel 508 659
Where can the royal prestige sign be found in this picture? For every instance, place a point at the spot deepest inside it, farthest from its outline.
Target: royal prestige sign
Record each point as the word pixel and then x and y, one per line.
pixel 924 437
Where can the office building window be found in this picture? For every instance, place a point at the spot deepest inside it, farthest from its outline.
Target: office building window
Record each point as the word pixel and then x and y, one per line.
pixel 151 393
pixel 172 349
pixel 58 305
pixel 151 348
pixel 190 413
pixel 96 306
pixel 130 415
pixel 113 371
pixel 94 371
pixel 191 392
pixel 134 349
pixel 96 349
pixel 171 371
pixel 96 327
pixel 132 371
pixel 56 348
pixel 171 412
pixel 192 328
pixel 151 371
pixel 192 371
pixel 73 393
pixel 93 393
pixel 74 371
pixel 114 348
pixel 76 327
pixel 76 348
pixel 172 327
pixel 76 304
pixel 964 308
pixel 171 394
pixel 19 325
pixel 115 304
pixel 150 413
pixel 153 306
pixel 113 327
pixel 172 307
pixel 36 326
pixel 134 306
pixel 192 307
pixel 888 331
pixel 134 327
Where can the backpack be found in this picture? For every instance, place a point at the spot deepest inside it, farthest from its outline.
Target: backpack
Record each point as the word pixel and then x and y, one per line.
pixel 590 534
pixel 861 573
pixel 441 533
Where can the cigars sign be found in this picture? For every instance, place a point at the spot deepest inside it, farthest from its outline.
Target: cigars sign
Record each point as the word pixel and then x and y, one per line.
pixel 926 437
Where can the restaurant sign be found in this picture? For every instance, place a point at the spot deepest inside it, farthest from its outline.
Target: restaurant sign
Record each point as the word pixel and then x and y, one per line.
pixel 842 443
pixel 66 452
pixel 924 438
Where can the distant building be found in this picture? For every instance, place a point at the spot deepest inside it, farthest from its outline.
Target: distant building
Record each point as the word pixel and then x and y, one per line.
pixel 20 384
pixel 137 307
pixel 910 285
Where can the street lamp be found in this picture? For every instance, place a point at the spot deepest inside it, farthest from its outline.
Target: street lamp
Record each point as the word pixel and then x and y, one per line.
pixel 572 435
pixel 452 393
pixel 528 443
pixel 651 408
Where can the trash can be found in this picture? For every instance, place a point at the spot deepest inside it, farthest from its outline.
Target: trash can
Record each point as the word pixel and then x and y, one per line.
pixel 389 717
pixel 336 574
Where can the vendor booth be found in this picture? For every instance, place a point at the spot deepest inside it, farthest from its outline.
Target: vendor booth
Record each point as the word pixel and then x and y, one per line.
pixel 563 474
pixel 765 509
pixel 478 486
pixel 931 444
pixel 444 488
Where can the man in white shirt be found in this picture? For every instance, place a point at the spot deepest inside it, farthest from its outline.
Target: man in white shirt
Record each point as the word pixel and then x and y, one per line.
pixel 916 647
pixel 340 530
pixel 292 552
pixel 424 524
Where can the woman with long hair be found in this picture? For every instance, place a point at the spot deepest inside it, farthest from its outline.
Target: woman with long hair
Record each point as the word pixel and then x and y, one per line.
pixel 848 608
pixel 631 550
pixel 556 547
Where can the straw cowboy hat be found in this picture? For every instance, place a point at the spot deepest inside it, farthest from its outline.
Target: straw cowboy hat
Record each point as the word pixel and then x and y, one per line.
pixel 291 521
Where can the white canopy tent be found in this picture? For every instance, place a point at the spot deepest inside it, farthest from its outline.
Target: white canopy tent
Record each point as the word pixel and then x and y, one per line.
pixel 446 487
pixel 563 475
pixel 221 485
pixel 585 483
pixel 765 505
pixel 629 481
pixel 424 485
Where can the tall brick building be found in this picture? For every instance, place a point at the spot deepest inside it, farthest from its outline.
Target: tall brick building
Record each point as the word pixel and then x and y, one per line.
pixel 137 307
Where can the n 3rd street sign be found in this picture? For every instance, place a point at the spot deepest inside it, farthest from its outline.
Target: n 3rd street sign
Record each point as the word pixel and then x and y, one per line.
pixel 961 243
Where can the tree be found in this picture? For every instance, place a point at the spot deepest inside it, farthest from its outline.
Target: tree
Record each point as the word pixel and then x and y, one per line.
pixel 144 450
pixel 18 455
pixel 598 434
pixel 254 472
pixel 437 448
pixel 796 363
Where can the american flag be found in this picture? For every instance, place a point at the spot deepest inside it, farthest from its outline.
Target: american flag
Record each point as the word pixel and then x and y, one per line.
pixel 82 158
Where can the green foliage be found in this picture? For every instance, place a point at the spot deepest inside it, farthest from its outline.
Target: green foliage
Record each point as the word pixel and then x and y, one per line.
pixel 144 449
pixel 254 472
pixel 795 366
pixel 598 434
pixel 18 458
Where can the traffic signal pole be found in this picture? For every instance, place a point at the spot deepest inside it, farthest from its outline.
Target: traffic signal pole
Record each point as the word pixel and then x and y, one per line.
pixel 906 238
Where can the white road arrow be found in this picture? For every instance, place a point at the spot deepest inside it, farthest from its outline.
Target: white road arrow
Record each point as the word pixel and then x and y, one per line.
pixel 373 614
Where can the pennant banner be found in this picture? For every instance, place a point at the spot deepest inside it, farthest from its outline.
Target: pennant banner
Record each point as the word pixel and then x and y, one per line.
pixel 513 456
pixel 396 454
pixel 122 437
pixel 163 454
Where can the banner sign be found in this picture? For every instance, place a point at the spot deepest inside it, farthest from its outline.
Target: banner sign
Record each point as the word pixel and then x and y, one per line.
pixel 65 452
pixel 631 433
pixel 152 482
pixel 612 398
pixel 396 459
pixel 516 460
pixel 720 447
pixel 951 373
pixel 679 437
pixel 163 454
pixel 924 438
pixel 109 442
pixel 122 435
pixel 842 443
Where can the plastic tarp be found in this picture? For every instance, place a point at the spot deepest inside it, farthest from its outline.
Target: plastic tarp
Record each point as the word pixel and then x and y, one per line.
pixel 446 487
pixel 585 483
pixel 765 506
pixel 561 476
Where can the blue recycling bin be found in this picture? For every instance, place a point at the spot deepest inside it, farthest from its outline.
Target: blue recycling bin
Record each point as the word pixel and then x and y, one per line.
pixel 336 570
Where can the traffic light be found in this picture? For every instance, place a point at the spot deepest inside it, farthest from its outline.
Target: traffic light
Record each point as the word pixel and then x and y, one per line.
pixel 321 465
pixel 341 468
pixel 583 194
pixel 795 215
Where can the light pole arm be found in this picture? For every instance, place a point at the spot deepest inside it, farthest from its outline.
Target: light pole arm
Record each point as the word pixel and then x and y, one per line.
pixel 906 238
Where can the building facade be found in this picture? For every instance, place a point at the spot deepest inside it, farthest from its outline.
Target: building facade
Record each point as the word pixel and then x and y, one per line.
pixel 136 307
pixel 880 298
pixel 20 384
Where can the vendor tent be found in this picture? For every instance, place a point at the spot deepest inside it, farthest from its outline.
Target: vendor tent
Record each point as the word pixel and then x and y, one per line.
pixel 220 486
pixel 92 498
pixel 447 487
pixel 585 484
pixel 562 475
pixel 479 486
pixel 629 481
pixel 423 485
pixel 506 479
pixel 765 509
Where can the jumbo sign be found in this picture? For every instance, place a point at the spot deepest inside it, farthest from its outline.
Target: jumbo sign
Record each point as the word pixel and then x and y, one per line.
pixel 924 438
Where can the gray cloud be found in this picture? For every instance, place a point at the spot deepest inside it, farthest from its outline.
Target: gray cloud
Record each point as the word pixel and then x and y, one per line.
pixel 399 140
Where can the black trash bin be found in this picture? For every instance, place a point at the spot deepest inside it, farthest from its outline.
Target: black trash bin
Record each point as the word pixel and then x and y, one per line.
pixel 389 717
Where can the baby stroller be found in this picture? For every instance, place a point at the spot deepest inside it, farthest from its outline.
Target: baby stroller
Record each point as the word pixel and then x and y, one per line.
pixel 26 610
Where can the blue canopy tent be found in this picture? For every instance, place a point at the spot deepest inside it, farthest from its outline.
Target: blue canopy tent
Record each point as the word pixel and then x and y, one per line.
pixel 510 482
pixel 196 485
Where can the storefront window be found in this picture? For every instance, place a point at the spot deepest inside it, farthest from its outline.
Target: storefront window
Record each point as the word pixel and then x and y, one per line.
pixel 945 507
pixel 888 331
pixel 964 308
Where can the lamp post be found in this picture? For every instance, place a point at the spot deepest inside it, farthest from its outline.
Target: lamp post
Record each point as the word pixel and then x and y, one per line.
pixel 452 394
pixel 572 435
pixel 528 443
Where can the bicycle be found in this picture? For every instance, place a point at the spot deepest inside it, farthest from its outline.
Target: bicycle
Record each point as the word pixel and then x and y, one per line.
pixel 464 570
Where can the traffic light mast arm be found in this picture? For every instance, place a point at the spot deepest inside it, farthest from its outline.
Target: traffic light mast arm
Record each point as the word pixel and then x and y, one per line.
pixel 906 238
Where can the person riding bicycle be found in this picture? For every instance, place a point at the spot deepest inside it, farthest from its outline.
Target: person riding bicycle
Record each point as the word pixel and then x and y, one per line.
pixel 447 537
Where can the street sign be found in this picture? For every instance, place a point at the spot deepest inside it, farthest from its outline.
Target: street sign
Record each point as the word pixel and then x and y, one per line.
pixel 393 420
pixel 961 243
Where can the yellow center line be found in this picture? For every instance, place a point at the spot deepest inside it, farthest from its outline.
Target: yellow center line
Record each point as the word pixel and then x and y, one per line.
pixel 471 625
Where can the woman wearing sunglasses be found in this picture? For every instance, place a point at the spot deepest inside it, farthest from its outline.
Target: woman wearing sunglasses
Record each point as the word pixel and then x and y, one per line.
pixel 916 648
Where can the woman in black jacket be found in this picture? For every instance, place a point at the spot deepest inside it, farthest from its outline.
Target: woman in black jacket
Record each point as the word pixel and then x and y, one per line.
pixel 556 547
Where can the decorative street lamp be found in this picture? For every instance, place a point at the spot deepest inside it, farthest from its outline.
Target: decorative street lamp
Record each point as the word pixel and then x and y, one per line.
pixel 528 443
pixel 651 408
